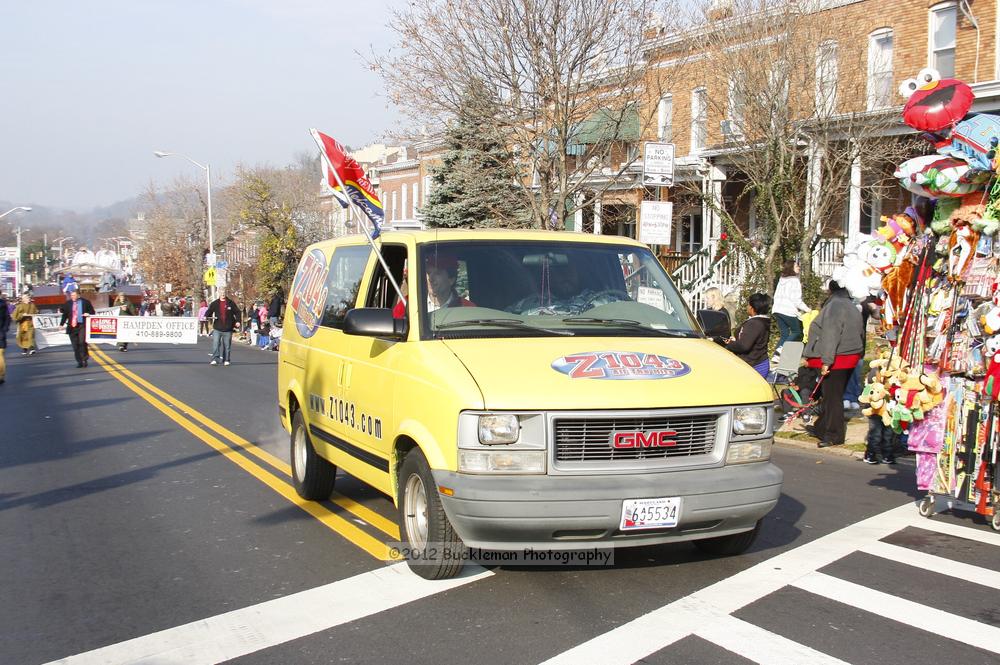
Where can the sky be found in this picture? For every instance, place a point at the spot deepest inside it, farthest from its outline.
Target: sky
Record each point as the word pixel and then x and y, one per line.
pixel 89 89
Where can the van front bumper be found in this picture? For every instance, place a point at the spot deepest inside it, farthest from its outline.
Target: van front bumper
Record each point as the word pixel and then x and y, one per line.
pixel 574 512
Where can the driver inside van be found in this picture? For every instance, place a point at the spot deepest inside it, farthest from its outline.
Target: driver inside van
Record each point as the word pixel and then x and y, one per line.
pixel 442 273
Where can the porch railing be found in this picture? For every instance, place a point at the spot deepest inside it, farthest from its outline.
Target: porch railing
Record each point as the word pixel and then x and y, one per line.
pixel 827 254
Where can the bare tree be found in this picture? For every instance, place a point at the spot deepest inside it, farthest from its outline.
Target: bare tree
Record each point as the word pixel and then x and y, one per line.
pixel 796 96
pixel 564 83
pixel 175 242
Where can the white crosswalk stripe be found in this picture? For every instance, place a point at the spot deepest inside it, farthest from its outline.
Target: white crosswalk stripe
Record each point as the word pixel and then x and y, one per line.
pixel 240 632
pixel 904 611
pixel 707 613
pixel 938 564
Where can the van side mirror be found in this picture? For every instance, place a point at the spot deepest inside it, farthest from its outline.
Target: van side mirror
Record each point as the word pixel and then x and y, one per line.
pixel 375 322
pixel 715 323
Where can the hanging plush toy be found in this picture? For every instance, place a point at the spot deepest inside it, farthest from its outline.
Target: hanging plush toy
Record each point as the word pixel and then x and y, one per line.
pixel 934 104
pixel 991 384
pixel 896 230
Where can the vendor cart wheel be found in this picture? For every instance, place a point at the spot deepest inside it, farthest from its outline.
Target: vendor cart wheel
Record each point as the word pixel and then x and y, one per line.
pixel 926 506
pixel 995 522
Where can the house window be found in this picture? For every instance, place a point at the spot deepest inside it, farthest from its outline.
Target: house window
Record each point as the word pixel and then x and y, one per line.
pixel 665 118
pixel 402 211
pixel 689 238
pixel 393 217
pixel 416 197
pixel 427 188
pixel 737 104
pixel 880 69
pixel 699 119
pixel 943 22
pixel 826 79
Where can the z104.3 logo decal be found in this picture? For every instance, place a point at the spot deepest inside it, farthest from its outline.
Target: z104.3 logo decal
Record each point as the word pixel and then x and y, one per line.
pixel 309 290
pixel 619 365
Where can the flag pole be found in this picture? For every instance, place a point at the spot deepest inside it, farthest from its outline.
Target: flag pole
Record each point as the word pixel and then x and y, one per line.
pixel 352 208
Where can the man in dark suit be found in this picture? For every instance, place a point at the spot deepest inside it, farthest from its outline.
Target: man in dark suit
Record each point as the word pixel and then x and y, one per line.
pixel 74 312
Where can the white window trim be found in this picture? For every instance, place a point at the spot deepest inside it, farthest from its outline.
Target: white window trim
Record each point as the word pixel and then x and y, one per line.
pixel 869 93
pixel 664 120
pixel 828 46
pixel 941 6
pixel 695 114
pixel 735 115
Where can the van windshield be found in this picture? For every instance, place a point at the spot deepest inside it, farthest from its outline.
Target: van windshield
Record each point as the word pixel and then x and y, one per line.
pixel 534 288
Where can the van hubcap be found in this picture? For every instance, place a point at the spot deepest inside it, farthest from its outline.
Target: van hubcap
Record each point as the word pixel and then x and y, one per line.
pixel 299 452
pixel 416 511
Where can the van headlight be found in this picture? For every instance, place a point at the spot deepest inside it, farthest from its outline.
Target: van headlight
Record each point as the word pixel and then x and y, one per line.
pixel 744 452
pixel 498 429
pixel 749 420
pixel 501 461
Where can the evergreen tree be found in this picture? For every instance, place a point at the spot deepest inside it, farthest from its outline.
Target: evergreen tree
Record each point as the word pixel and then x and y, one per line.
pixel 474 185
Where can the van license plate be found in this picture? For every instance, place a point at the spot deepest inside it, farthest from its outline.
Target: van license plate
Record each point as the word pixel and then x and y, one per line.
pixel 650 513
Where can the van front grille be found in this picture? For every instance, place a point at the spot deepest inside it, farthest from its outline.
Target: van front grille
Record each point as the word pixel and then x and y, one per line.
pixel 661 437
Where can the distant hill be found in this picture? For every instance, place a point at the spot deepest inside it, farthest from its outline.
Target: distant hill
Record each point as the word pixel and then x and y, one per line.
pixel 60 221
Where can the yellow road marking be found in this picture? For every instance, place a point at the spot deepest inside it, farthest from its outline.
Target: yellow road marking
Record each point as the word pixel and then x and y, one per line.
pixel 381 523
pixel 338 524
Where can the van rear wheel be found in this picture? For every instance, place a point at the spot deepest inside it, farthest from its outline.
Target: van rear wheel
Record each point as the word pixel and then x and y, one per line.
pixel 312 476
pixel 736 543
pixel 434 550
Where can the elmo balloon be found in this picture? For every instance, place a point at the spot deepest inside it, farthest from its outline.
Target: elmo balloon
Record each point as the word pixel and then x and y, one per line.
pixel 934 103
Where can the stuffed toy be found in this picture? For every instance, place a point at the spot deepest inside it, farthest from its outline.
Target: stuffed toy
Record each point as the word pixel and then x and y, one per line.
pixel 874 395
pixel 963 240
pixel 991 383
pixel 894 283
pixel 857 274
pixel 933 393
pixel 941 219
pixel 991 324
pixel 896 230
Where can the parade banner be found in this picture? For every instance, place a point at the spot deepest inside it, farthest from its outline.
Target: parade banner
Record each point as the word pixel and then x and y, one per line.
pixel 156 329
pixel 49 333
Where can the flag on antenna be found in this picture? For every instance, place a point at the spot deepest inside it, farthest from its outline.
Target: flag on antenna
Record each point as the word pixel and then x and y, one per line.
pixel 338 192
pixel 346 173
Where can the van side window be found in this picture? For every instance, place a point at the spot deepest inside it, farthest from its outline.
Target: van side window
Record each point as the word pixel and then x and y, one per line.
pixel 343 283
pixel 381 292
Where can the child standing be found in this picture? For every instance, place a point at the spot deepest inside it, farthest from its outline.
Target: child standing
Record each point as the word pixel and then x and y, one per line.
pixel 750 341
pixel 881 438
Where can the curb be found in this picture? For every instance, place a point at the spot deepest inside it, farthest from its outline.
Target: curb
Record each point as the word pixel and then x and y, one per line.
pixel 809 444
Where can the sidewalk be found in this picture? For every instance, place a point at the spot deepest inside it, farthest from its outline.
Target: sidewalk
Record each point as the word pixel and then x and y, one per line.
pixel 854 446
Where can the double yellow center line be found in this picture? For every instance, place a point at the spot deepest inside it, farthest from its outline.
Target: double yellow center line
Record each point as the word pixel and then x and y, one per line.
pixel 230 445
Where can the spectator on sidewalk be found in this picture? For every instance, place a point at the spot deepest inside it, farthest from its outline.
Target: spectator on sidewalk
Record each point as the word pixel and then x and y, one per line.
pixel 788 305
pixel 202 319
pixel 275 307
pixel 750 340
pixel 226 318
pixel 836 344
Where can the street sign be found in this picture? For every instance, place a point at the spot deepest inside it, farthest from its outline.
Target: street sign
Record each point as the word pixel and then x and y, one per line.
pixel 658 164
pixel 655 219
pixel 168 287
pixel 211 258
pixel 210 276
pixel 222 264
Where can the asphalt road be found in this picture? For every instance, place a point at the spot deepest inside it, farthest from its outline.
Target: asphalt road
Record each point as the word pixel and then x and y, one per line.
pixel 146 516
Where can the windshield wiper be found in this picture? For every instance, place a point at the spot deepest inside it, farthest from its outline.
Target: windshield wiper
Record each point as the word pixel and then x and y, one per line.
pixel 502 323
pixel 629 323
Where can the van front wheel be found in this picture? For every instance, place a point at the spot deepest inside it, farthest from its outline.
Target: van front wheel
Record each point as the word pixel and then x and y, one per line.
pixel 312 476
pixel 433 549
pixel 737 543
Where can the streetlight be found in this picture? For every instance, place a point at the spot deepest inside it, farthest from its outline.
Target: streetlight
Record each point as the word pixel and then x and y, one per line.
pixel 18 231
pixel 208 178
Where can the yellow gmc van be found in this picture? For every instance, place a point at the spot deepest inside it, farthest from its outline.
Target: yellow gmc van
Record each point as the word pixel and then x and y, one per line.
pixel 535 389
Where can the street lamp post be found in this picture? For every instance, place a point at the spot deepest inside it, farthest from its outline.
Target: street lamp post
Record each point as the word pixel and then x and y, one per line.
pixel 207 168
pixel 18 231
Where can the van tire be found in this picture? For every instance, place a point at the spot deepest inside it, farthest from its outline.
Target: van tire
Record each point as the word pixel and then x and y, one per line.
pixel 736 543
pixel 312 476
pixel 422 521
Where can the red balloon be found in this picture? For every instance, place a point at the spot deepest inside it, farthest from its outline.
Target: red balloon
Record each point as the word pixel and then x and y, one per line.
pixel 939 107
